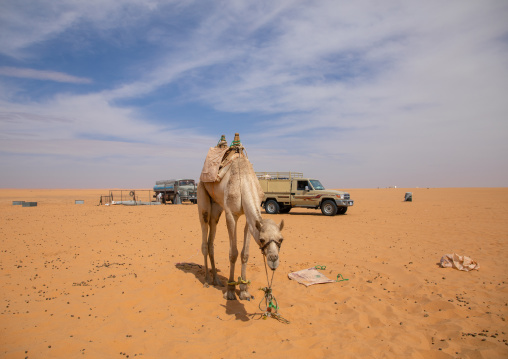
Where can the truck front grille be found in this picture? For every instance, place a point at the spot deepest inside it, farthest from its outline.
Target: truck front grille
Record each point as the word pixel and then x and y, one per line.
pixel 346 195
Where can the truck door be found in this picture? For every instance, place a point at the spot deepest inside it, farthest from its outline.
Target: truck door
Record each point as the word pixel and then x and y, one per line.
pixel 300 193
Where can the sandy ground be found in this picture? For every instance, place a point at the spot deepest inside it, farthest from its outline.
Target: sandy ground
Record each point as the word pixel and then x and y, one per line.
pixel 82 280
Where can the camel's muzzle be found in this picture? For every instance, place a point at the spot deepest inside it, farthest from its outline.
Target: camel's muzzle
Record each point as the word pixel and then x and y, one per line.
pixel 272 257
pixel 273 261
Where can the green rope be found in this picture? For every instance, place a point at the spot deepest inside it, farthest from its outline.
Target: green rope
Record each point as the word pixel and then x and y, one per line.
pixel 269 298
pixel 271 306
pixel 342 280
pixel 235 143
pixel 338 275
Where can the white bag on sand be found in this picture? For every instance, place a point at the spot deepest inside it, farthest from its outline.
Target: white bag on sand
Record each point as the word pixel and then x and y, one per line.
pixel 309 276
pixel 459 262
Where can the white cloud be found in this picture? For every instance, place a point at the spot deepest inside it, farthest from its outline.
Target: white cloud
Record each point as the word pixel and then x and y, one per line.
pixel 25 23
pixel 42 75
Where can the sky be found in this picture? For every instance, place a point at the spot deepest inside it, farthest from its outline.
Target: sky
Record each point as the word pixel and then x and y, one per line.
pixel 359 94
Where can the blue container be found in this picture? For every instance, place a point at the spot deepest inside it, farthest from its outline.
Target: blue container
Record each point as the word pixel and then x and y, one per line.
pixel 79 201
pixel 163 187
pixel 29 204
pixel 17 203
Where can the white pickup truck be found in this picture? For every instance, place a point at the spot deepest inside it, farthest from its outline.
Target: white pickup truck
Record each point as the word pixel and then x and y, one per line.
pixel 285 190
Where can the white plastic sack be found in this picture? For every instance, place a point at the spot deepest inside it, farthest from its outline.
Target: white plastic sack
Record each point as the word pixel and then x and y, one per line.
pixel 459 262
pixel 309 277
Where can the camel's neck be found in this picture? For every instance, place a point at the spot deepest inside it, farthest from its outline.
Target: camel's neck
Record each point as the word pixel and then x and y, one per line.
pixel 252 215
pixel 251 202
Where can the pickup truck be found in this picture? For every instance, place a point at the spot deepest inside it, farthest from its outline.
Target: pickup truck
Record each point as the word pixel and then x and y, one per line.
pixel 285 190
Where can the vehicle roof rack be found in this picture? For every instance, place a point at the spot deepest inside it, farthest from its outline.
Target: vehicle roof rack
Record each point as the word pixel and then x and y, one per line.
pixel 279 175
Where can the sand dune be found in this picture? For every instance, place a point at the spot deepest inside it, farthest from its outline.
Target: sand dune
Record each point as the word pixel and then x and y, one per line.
pixel 82 280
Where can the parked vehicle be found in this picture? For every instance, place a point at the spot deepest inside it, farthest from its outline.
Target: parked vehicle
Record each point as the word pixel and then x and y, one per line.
pixel 285 190
pixel 176 191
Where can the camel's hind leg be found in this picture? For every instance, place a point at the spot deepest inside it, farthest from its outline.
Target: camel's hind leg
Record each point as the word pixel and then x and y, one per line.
pixel 209 214
pixel 214 219
pixel 204 212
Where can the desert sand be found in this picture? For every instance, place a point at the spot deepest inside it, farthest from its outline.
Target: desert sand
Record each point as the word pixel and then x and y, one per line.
pixel 82 280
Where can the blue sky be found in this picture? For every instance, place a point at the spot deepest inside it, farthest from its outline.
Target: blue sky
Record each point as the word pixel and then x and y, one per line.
pixel 119 94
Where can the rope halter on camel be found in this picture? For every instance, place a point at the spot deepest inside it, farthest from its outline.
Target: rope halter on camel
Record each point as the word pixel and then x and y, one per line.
pixel 278 244
pixel 271 307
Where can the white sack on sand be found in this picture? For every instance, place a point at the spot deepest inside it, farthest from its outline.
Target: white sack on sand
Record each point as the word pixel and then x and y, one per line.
pixel 459 262
pixel 309 276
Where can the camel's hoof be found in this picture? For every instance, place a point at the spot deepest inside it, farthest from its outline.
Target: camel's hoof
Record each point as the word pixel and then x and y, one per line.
pixel 244 295
pixel 229 295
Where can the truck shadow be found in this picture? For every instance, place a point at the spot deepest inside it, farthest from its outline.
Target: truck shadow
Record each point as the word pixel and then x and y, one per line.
pixel 179 204
pixel 304 214
pixel 313 214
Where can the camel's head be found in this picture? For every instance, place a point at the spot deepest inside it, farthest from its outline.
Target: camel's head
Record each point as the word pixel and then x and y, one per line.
pixel 269 240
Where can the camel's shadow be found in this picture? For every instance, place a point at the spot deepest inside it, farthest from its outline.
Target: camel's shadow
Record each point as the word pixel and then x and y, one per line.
pixel 235 307
pixel 199 272
pixel 238 309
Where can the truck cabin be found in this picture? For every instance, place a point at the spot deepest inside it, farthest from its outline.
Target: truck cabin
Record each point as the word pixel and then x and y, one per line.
pixel 304 185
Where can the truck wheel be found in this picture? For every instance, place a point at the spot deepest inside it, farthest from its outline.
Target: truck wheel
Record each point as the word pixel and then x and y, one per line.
pixel 272 207
pixel 342 210
pixel 329 208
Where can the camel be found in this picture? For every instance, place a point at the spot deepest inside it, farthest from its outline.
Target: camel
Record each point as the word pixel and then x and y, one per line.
pixel 237 193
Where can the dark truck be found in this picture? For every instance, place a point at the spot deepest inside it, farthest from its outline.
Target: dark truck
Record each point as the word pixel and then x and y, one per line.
pixel 176 191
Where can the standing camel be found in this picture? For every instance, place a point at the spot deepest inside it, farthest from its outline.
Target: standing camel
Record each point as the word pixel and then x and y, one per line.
pixel 237 193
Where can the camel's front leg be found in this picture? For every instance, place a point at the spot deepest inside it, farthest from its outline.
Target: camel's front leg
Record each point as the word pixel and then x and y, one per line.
pixel 204 250
pixel 231 221
pixel 244 293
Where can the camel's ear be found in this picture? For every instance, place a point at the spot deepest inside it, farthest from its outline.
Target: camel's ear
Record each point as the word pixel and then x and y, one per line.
pixel 281 225
pixel 258 225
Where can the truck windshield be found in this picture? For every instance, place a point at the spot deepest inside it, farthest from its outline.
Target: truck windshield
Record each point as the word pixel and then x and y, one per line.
pixel 317 185
pixel 186 183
